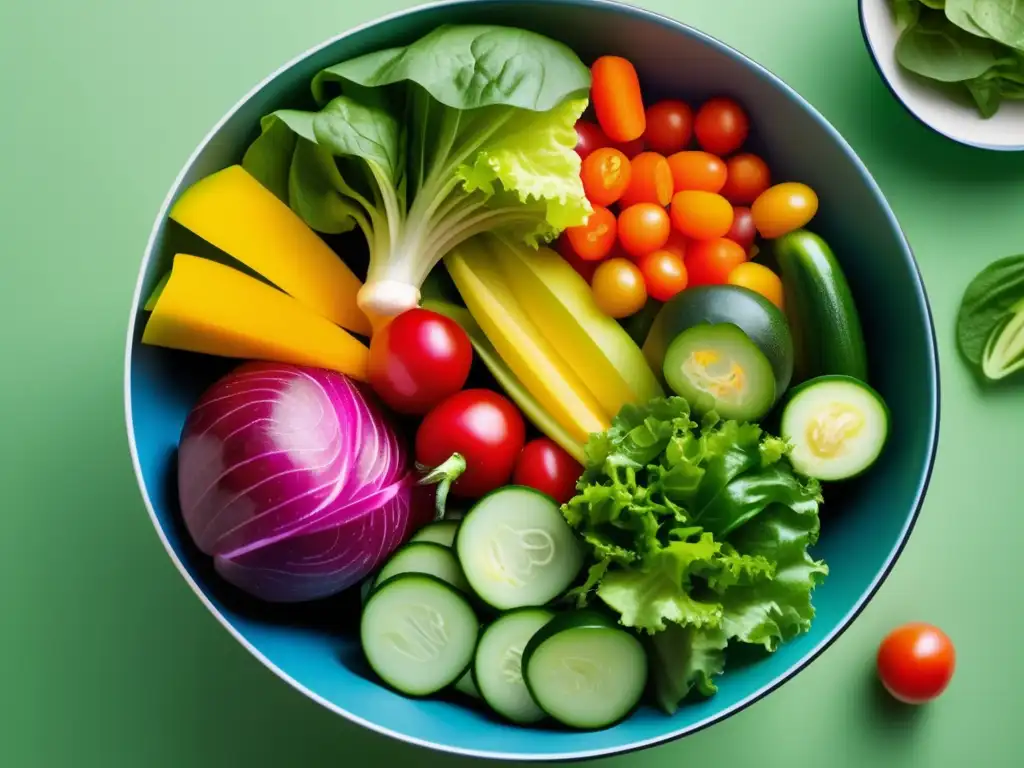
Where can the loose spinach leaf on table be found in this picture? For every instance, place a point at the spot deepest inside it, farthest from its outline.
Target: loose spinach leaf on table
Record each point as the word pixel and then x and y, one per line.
pixel 990 322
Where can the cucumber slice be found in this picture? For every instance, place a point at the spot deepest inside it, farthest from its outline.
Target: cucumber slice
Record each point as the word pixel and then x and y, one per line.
pixel 718 367
pixel 424 557
pixel 516 549
pixel 467 686
pixel 441 532
pixel 585 671
pixel 837 425
pixel 418 633
pixel 497 666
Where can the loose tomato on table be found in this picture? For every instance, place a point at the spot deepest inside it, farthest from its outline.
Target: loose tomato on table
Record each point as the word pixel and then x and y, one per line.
pixel 783 208
pixel 589 137
pixel 547 467
pixel 759 279
pixel 742 230
pixel 594 240
pixel 617 99
pixel 701 215
pixel 916 662
pixel 643 229
pixel 669 126
pixel 747 176
pixel 710 262
pixel 619 289
pixel 606 175
pixel 697 170
pixel 664 274
pixel 417 360
pixel 721 126
pixel 482 426
pixel 650 181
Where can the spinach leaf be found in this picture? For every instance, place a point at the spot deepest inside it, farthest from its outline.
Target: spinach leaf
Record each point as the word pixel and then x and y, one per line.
pixel 906 12
pixel 990 319
pixel 959 13
pixel 1002 20
pixel 938 50
pixel 987 93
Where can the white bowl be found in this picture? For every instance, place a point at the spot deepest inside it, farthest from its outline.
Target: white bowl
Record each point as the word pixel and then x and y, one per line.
pixel 956 120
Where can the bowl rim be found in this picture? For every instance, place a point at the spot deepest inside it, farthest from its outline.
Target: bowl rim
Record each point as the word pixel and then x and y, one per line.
pixel 870 45
pixel 670 735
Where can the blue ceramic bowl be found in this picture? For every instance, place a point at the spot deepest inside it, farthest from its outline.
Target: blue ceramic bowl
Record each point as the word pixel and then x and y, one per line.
pixel 865 523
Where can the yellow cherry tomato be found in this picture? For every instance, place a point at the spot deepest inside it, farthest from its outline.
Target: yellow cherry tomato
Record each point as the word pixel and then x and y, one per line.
pixel 783 208
pixel 760 279
pixel 619 289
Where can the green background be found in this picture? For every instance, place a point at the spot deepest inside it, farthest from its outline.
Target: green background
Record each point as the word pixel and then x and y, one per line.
pixel 107 657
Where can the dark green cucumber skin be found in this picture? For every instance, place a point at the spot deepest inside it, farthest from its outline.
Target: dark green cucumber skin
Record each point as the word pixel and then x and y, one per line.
pixel 753 314
pixel 827 334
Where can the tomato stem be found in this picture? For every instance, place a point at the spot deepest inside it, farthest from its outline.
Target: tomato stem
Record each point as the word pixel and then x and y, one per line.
pixel 443 475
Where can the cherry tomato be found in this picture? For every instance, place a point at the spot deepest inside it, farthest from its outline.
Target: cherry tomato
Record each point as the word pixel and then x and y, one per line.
pixel 701 215
pixel 546 466
pixel 565 249
pixel 417 360
pixel 481 425
pixel 783 208
pixel 710 262
pixel 758 278
pixel 669 126
pixel 677 243
pixel 589 137
pixel 618 102
pixel 631 148
pixel 606 175
pixel 664 274
pixel 643 229
pixel 747 177
pixel 619 289
pixel 721 126
pixel 593 241
pixel 650 181
pixel 916 662
pixel 742 230
pixel 697 170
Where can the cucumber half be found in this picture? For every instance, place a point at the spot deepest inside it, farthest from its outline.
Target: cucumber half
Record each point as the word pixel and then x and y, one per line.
pixel 585 671
pixel 442 532
pixel 424 557
pixel 497 667
pixel 516 549
pixel 418 633
pixel 837 425
pixel 718 367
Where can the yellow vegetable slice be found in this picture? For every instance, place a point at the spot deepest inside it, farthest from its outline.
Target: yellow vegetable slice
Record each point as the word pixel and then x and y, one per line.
pixel 232 211
pixel 520 344
pixel 592 344
pixel 212 309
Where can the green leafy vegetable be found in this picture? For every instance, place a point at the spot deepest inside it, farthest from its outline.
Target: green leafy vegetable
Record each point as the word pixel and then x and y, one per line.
pixel 469 129
pixel 990 322
pixel 698 533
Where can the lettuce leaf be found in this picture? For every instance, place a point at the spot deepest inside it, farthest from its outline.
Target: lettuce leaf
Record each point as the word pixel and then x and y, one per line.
pixel 684 659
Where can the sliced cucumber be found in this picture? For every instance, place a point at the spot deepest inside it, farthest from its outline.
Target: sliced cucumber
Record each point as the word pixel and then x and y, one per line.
pixel 837 425
pixel 497 666
pixel 418 633
pixel 516 549
pixel 584 670
pixel 365 589
pixel 718 367
pixel 467 686
pixel 424 557
pixel 442 532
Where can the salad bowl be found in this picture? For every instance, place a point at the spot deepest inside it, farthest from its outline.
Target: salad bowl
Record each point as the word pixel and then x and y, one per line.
pixel 865 522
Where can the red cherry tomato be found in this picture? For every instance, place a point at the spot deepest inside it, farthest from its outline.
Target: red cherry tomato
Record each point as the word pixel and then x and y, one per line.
pixel 669 126
pixel 606 175
pixel 565 249
pixel 664 274
pixel 721 126
pixel 709 262
pixel 546 466
pixel 643 229
pixel 419 359
pixel 747 176
pixel 589 137
pixel 916 662
pixel 481 425
pixel 594 240
pixel 743 230
pixel 631 148
pixel 650 181
pixel 677 243
pixel 618 102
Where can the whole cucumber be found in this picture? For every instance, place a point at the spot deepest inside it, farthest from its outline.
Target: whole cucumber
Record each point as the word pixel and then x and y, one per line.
pixel 827 334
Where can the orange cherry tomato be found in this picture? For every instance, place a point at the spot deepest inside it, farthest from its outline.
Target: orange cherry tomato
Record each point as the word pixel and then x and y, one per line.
pixel 669 126
pixel 594 240
pixel 747 177
pixel 618 102
pixel 742 230
pixel 721 126
pixel 631 148
pixel 650 181
pixel 664 274
pixel 585 269
pixel 701 215
pixel 916 662
pixel 618 287
pixel 783 208
pixel 759 279
pixel 676 243
pixel 643 229
pixel 710 262
pixel 697 170
pixel 605 174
